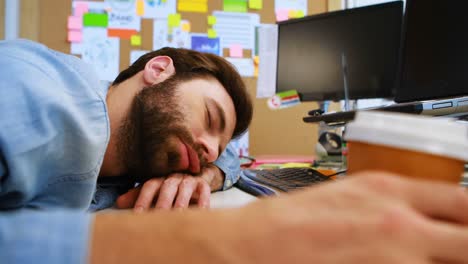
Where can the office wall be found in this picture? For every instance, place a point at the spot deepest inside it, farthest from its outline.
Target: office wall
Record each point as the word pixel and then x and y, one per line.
pixel 272 131
pixel 2 19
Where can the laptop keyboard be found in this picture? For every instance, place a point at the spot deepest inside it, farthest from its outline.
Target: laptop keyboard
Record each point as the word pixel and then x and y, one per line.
pixel 287 179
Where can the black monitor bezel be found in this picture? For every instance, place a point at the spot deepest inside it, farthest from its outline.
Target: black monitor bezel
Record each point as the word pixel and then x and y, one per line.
pixel 390 93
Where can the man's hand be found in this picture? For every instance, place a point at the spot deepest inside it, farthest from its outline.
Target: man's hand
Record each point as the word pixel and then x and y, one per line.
pixel 177 190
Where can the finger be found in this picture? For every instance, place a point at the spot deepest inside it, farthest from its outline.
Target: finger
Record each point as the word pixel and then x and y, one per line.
pixel 127 200
pixel 432 199
pixel 147 194
pixel 168 192
pixel 204 192
pixel 449 242
pixel 186 189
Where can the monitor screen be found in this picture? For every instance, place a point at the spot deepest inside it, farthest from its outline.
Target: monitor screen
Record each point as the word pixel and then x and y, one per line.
pixel 435 50
pixel 311 49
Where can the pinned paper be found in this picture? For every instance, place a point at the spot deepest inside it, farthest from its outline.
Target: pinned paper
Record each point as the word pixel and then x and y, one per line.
pixel 135 40
pixel 235 6
pixel 75 22
pixel 284 99
pixel 200 6
pixel 235 51
pixel 173 20
pixel 95 20
pixel 74 36
pixel 81 8
pixel 140 7
pixel 255 4
pixel 212 33
pixel 185 26
pixel 211 20
pixel 282 15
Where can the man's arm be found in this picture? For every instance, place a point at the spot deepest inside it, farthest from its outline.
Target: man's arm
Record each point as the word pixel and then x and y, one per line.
pixel 55 237
pixel 372 218
pixel 178 189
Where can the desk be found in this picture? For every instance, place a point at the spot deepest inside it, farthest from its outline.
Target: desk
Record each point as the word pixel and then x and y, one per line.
pixel 231 198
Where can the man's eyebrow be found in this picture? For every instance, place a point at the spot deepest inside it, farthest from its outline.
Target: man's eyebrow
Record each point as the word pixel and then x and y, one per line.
pixel 219 111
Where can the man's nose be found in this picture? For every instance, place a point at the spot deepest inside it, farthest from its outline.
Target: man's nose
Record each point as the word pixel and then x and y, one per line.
pixel 210 144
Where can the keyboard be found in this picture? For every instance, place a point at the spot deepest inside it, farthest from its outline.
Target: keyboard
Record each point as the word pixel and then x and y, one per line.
pixel 285 180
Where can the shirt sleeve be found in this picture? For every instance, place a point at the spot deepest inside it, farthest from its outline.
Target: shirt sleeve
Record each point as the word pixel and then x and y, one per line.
pixel 229 163
pixel 28 236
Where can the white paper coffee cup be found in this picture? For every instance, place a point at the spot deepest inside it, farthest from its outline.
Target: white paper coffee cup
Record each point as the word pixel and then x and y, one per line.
pixel 411 145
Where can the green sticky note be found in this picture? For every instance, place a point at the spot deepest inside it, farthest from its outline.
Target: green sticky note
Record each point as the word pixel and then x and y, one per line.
pixel 173 20
pixel 95 20
pixel 235 5
pixel 212 33
pixel 211 20
pixel 255 4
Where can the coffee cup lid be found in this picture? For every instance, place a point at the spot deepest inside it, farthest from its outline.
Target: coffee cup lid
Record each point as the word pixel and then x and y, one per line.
pixel 435 135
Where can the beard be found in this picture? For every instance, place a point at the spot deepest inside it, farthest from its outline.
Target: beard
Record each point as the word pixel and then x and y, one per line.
pixel 149 138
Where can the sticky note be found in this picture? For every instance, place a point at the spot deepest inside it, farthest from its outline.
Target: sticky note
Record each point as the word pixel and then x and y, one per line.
pixel 212 33
pixel 211 20
pixel 121 33
pixel 185 26
pixel 255 4
pixel 235 51
pixel 74 36
pixel 200 6
pixel 281 15
pixel 140 7
pixel 75 22
pixel 235 5
pixel 292 13
pixel 173 20
pixel 300 13
pixel 135 40
pixel 81 8
pixel 95 20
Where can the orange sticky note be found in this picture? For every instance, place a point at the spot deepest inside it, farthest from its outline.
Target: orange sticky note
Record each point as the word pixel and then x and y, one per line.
pixel 235 51
pixel 185 26
pixel 74 36
pixel 140 7
pixel 135 40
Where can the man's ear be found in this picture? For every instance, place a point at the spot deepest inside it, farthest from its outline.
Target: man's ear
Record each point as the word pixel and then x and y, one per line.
pixel 158 69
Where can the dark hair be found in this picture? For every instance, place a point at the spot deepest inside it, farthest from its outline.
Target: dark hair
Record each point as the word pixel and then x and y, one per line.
pixel 198 63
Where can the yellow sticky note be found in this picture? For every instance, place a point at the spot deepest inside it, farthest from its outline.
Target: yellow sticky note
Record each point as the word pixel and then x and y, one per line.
pixel 140 7
pixel 291 13
pixel 212 33
pixel 185 26
pixel 255 4
pixel 300 13
pixel 173 20
pixel 135 40
pixel 200 6
pixel 211 20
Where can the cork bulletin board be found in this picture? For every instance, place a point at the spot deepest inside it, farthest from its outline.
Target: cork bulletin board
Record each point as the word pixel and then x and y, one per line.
pixel 272 131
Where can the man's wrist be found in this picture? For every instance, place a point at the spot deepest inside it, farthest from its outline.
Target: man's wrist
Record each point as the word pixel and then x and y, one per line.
pixel 215 177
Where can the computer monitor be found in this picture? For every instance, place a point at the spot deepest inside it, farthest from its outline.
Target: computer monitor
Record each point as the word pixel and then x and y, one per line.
pixel 435 50
pixel 311 49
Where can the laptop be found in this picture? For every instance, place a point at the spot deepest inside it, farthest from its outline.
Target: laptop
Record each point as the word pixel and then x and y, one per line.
pixel 432 76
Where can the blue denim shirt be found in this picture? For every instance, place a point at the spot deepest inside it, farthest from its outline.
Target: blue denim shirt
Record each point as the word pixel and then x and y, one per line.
pixel 54 130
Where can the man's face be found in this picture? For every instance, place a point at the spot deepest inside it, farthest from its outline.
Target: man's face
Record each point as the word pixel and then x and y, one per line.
pixel 176 126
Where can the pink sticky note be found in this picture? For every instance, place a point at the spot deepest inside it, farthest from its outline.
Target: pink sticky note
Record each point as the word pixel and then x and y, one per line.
pixel 81 8
pixel 75 22
pixel 236 51
pixel 282 15
pixel 74 36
